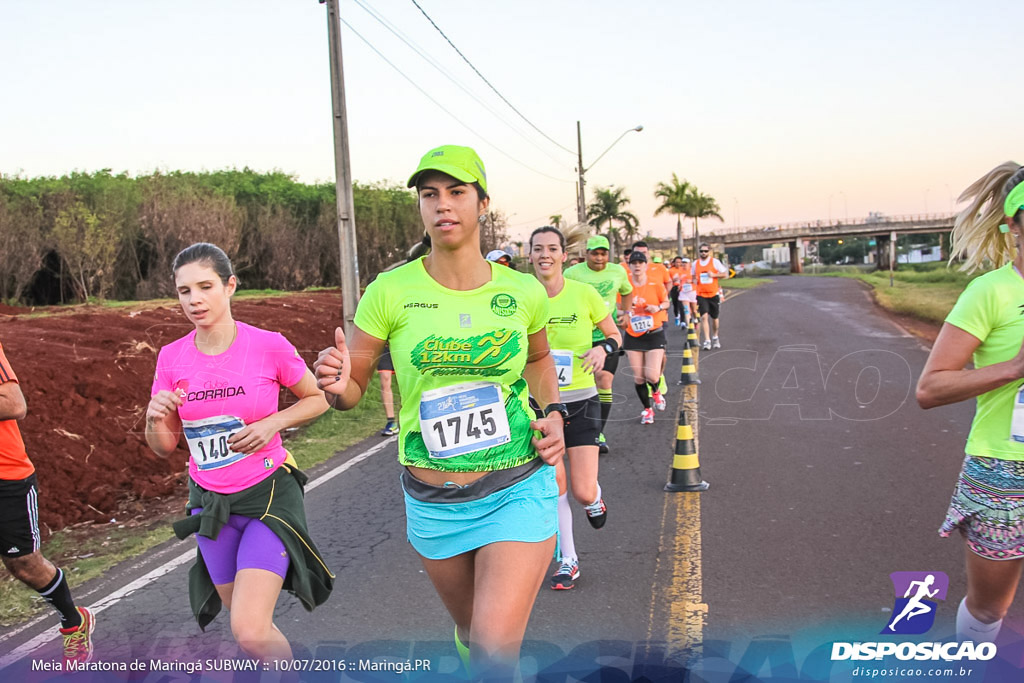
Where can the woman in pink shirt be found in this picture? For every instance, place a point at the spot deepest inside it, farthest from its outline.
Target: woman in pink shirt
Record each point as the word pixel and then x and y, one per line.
pixel 218 386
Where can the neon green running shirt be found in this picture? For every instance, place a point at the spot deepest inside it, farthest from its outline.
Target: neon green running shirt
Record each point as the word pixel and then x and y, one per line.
pixel 459 359
pixel 572 314
pixel 992 309
pixel 609 282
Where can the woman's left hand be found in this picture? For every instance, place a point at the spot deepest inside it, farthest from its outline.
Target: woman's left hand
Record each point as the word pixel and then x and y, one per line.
pixel 551 447
pixel 651 308
pixel 254 437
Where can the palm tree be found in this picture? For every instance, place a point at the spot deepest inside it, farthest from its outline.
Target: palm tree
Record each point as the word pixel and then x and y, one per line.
pixel 699 205
pixel 556 220
pixel 673 199
pixel 609 207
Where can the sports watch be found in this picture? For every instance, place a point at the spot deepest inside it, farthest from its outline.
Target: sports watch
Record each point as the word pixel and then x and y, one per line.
pixel 557 408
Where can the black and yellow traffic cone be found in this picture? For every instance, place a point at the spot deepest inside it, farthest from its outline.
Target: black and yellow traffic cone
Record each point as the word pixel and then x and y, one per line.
pixel 685 474
pixel 692 341
pixel 689 372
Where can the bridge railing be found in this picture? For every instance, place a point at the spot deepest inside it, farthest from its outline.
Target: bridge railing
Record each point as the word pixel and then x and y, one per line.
pixel 883 223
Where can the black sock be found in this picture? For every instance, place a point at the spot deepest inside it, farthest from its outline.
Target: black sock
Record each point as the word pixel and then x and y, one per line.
pixel 642 392
pixel 654 387
pixel 58 595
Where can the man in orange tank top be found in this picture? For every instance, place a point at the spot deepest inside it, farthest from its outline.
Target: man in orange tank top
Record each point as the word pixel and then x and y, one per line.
pixel 19 524
pixel 706 272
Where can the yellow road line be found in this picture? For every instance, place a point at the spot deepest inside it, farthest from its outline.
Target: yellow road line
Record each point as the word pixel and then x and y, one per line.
pixel 681 597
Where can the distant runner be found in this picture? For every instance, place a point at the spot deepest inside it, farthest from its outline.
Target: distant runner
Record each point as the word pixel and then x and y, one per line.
pixel 707 271
pixel 610 283
pixel 645 341
pixel 574 311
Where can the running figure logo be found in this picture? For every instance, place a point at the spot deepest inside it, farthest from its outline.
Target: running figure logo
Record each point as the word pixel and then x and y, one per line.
pixel 914 613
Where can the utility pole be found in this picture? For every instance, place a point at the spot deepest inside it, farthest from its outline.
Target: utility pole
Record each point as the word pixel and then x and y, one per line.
pixel 581 200
pixel 349 264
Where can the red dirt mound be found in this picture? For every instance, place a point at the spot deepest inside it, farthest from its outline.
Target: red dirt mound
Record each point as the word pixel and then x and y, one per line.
pixel 86 375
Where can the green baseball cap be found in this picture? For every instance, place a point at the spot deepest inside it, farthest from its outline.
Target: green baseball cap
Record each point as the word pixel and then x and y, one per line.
pixel 461 163
pixel 597 242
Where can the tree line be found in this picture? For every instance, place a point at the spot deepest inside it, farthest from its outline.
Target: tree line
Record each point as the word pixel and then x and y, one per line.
pixel 608 212
pixel 100 235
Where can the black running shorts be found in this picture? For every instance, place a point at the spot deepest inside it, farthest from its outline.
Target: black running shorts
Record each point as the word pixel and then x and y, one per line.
pixel 19 517
pixel 708 305
pixel 649 341
pixel 584 423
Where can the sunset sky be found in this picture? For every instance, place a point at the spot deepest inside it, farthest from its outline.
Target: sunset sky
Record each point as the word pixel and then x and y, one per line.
pixel 783 111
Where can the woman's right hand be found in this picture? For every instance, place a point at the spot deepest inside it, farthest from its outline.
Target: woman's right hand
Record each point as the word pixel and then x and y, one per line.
pixel 332 367
pixel 162 404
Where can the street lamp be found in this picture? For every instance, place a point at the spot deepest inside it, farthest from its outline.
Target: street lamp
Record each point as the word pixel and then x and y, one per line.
pixel 581 206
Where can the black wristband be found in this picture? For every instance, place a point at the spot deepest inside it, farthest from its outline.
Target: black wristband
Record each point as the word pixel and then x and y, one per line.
pixel 611 346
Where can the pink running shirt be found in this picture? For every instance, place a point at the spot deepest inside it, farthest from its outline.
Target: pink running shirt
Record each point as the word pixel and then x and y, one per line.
pixel 243 382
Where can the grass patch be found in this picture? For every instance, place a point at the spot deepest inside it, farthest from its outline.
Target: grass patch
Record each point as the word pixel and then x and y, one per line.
pixel 88 552
pixel 925 291
pixel 83 553
pixel 744 282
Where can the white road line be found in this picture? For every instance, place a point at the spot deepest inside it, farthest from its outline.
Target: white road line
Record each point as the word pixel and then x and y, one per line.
pixel 169 566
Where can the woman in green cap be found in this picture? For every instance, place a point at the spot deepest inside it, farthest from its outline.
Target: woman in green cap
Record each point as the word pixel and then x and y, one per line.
pixel 986 328
pixel 469 346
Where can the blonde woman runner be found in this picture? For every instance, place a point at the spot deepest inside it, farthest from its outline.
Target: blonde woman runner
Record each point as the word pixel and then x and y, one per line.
pixel 985 329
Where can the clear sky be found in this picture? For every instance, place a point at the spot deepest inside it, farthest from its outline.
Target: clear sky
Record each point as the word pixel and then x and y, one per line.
pixel 782 110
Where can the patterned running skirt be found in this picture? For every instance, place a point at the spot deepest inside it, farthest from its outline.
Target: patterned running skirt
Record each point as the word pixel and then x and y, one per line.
pixel 988 508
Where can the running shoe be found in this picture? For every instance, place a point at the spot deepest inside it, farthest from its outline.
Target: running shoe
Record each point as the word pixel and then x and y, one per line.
pixel 647 417
pixel 597 513
pixel 715 344
pixel 390 429
pixel 602 444
pixel 567 573
pixel 707 345
pixel 78 640
pixel 659 400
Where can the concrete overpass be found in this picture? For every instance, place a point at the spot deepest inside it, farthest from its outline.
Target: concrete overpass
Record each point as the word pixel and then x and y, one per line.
pixel 884 229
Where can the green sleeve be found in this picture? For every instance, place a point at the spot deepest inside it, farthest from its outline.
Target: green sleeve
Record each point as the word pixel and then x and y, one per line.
pixel 625 287
pixel 538 298
pixel 973 312
pixel 372 314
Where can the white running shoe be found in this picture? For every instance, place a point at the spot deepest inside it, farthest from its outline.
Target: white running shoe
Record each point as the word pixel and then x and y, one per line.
pixel 715 344
pixel 647 417
pixel 706 345
pixel 659 400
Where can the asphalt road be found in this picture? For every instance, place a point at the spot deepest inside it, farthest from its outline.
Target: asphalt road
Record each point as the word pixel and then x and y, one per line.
pixel 824 476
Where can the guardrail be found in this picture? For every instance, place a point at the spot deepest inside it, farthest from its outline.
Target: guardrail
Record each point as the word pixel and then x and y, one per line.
pixel 881 222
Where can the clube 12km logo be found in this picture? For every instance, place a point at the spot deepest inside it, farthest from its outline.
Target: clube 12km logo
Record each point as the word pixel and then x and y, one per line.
pixel 913 613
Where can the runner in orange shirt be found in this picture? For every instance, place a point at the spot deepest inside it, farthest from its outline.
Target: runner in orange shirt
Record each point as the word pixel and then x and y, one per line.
pixel 656 272
pixel 645 340
pixel 707 270
pixel 19 524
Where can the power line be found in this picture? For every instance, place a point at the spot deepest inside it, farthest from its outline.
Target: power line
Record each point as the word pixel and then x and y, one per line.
pixel 511 106
pixel 430 60
pixel 445 109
